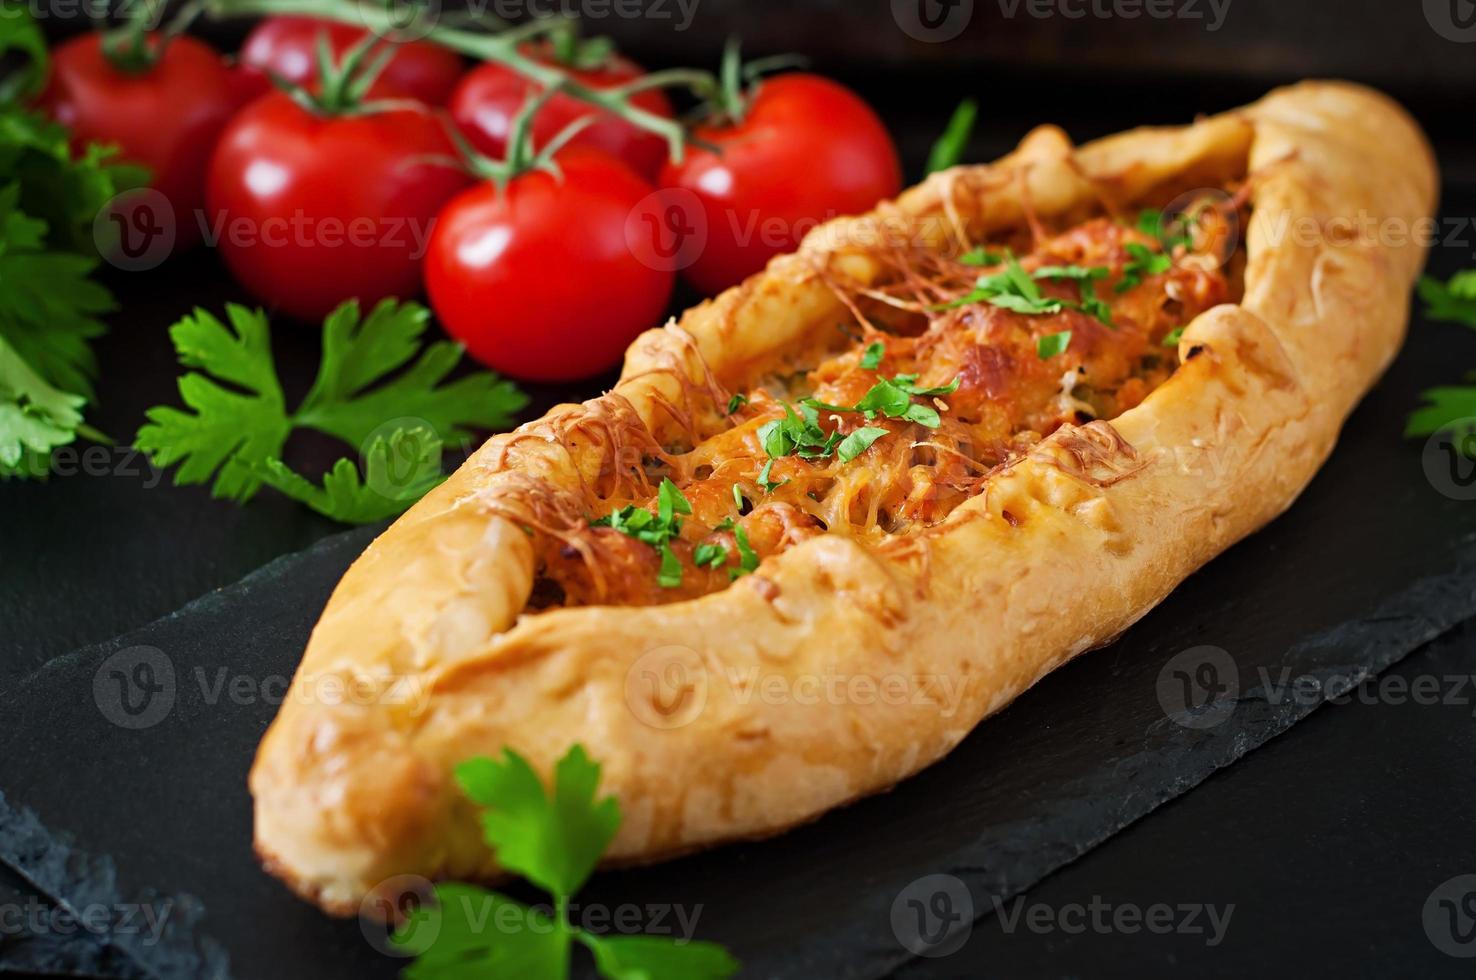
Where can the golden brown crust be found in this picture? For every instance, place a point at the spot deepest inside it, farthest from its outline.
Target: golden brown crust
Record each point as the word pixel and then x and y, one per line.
pixel 835 671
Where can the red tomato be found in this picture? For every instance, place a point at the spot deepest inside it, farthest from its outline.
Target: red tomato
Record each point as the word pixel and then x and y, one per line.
pixel 807 150
pixel 311 210
pixel 166 118
pixel 288 46
pixel 538 281
pixel 490 95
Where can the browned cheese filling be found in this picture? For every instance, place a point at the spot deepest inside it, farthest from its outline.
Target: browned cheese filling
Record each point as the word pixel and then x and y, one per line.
pixel 957 364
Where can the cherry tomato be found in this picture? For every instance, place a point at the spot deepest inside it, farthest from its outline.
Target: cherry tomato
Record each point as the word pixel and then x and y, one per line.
pixel 288 46
pixel 537 280
pixel 310 210
pixel 166 117
pixel 807 150
pixel 490 95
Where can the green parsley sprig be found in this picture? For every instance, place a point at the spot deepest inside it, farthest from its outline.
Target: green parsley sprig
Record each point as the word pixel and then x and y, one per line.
pixel 658 530
pixel 1452 301
pixel 235 423
pixel 1142 261
pixel 554 841
pixel 661 528
pixel 949 149
pixel 50 309
pixel 1171 234
pixel 1019 291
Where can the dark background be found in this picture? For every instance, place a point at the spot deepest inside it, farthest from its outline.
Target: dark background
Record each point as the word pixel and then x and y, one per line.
pixel 1327 841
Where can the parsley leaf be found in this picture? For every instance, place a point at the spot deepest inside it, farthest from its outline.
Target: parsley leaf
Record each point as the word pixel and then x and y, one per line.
pixel 1172 338
pixel 748 559
pixel 892 397
pixel 49 309
pixel 1151 222
pixel 1453 301
pixel 949 149
pixel 764 481
pixel 1052 344
pixel 471 929
pixel 737 402
pixel 858 442
pixel 653 958
pixel 872 357
pixel 19 33
pixel 34 416
pixel 239 417
pixel 657 530
pixel 398 471
pixel 710 555
pixel 981 256
pixel 1142 262
pixel 1448 405
pixel 553 840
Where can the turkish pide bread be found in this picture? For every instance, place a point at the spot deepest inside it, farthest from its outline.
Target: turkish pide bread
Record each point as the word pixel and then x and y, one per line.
pixel 830 520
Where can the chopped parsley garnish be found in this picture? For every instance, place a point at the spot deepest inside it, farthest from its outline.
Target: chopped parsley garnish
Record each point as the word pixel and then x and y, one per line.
pixel 710 555
pixel 657 530
pixel 1050 345
pixel 1086 280
pixel 1012 289
pixel 748 559
pixel 949 148
pixel 1142 262
pixel 736 402
pixel 1151 222
pixel 552 837
pixel 764 481
pixel 1016 290
pixel 1172 338
pixel 858 442
pixel 1450 406
pixel 892 397
pixel 1453 301
pixel 797 434
pixel 872 358
pixel 981 256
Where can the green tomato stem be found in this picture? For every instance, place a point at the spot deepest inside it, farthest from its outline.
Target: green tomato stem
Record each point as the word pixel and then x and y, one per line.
pixel 501 48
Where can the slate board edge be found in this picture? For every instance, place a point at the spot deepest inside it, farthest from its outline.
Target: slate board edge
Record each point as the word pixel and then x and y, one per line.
pixel 1382 631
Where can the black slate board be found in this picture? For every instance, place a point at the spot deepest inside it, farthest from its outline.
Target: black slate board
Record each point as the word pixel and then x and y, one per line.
pixel 1370 564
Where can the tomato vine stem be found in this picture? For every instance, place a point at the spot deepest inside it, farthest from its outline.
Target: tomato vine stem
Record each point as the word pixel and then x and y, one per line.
pixel 501 47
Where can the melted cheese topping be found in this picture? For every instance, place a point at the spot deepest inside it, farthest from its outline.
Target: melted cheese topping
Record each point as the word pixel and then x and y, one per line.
pixel 1008 398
